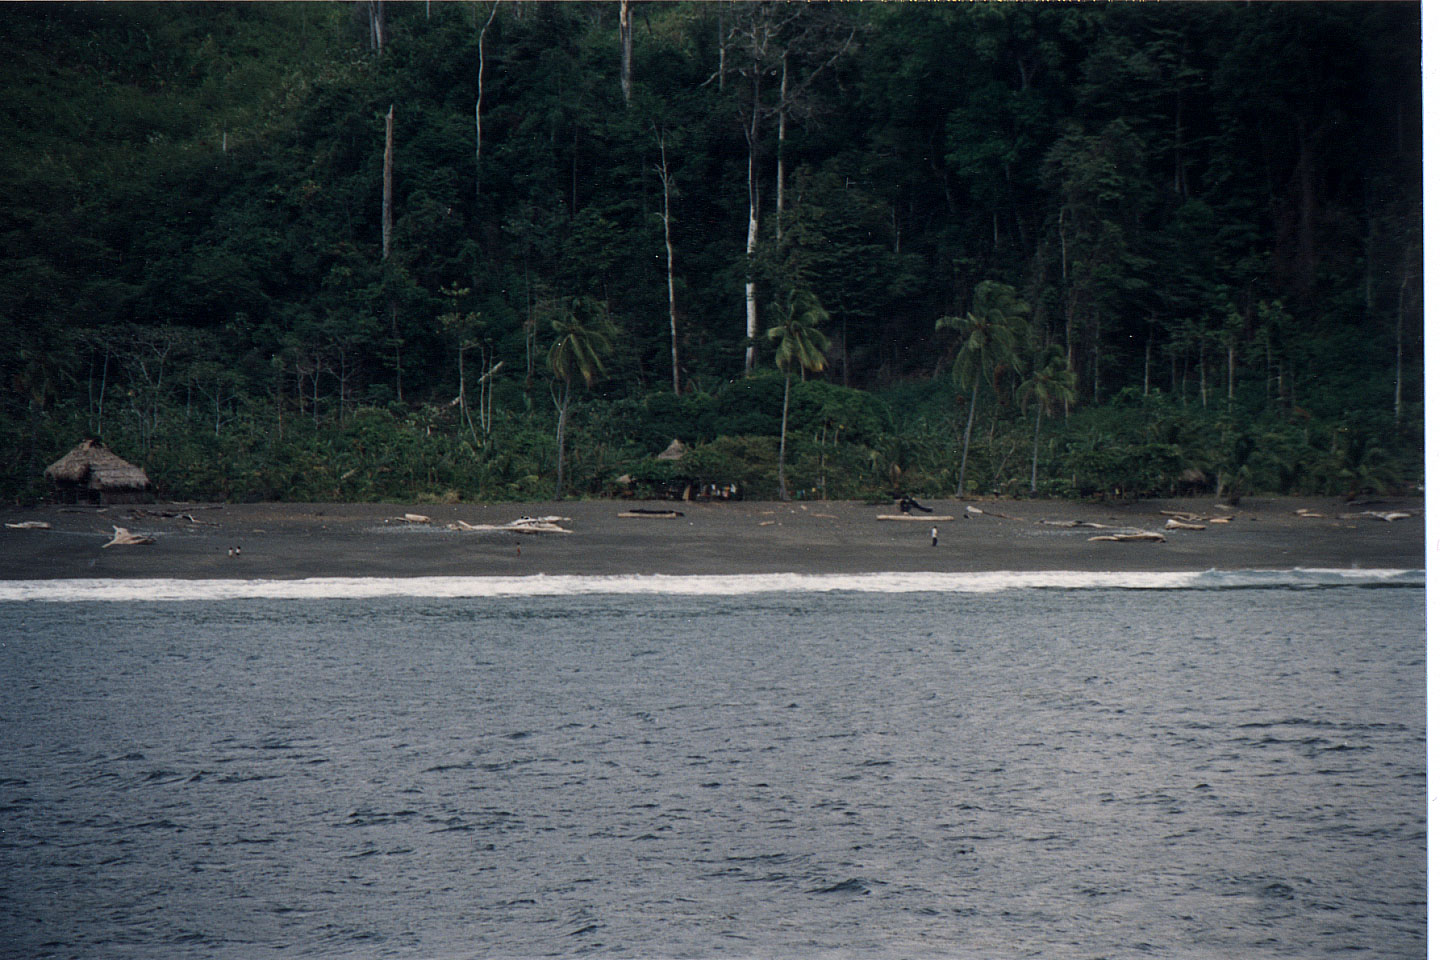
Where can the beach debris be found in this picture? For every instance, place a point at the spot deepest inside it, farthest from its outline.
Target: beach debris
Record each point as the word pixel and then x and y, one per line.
pixel 768 523
pixel 29 525
pixel 124 538
pixel 410 518
pixel 827 516
pixel 138 514
pixel 939 518
pixel 1389 516
pixel 655 514
pixel 549 524
pixel 1309 514
pixel 908 503
pixel 1175 523
pixel 1077 523
pixel 974 511
pixel 1187 516
pixel 1129 536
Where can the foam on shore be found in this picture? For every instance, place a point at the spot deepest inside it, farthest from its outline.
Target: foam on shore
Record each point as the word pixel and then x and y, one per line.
pixel 361 588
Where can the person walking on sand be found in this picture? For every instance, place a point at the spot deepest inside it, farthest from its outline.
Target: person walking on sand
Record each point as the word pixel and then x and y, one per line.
pixel 934 536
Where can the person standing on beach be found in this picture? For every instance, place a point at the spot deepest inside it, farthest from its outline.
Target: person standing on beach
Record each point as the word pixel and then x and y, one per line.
pixel 934 536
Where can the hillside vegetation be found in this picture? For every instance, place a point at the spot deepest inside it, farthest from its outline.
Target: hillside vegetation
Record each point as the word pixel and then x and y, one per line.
pixel 1112 250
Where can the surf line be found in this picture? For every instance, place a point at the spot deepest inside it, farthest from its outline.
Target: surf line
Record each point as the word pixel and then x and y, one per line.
pixel 540 585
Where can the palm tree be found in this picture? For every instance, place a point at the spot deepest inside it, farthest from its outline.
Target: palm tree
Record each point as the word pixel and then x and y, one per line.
pixel 990 339
pixel 1052 383
pixel 584 335
pixel 798 342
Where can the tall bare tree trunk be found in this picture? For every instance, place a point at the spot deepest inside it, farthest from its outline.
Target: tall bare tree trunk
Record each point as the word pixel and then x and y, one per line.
pixel 1400 341
pixel 965 449
pixel 1230 370
pixel 784 425
pixel 480 85
pixel 1035 450
pixel 1146 393
pixel 780 151
pixel 752 311
pixel 376 12
pixel 626 46
pixel 560 442
pixel 670 271
pixel 1204 403
pixel 720 28
pixel 386 211
pixel 395 335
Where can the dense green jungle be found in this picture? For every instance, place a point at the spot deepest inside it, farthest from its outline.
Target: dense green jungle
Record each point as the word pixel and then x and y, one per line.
pixel 512 250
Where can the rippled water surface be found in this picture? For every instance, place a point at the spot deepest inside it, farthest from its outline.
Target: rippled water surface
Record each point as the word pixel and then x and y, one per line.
pixel 1206 773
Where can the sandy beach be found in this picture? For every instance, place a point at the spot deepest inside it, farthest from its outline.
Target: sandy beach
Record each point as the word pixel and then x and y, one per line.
pixel 296 540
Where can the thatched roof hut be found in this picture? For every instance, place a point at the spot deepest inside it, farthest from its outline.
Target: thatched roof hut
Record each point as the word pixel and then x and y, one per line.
pixel 675 451
pixel 91 472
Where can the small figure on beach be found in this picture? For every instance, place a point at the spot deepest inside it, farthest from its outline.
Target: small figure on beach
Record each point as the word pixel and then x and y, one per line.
pixel 934 536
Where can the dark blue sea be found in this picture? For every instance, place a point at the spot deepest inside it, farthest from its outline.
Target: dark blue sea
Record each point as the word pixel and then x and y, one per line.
pixel 1219 766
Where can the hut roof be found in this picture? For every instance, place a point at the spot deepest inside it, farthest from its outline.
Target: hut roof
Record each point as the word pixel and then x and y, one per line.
pixel 675 451
pixel 92 464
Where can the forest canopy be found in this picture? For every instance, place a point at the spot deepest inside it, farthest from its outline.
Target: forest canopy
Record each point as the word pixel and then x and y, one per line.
pixel 508 250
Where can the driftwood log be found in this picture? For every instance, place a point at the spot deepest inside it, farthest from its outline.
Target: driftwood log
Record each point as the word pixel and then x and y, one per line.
pixel 169 515
pixel 29 525
pixel 977 512
pixel 1134 536
pixel 1389 516
pixel 410 518
pixel 523 525
pixel 934 518
pixel 1175 523
pixel 124 538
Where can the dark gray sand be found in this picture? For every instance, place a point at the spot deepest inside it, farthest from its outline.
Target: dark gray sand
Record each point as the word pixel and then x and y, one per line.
pixel 290 540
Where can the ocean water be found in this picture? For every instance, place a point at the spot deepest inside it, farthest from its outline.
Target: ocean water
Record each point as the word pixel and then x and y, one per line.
pixel 1218 765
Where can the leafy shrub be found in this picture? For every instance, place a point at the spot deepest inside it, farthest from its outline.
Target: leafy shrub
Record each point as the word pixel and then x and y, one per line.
pixel 749 462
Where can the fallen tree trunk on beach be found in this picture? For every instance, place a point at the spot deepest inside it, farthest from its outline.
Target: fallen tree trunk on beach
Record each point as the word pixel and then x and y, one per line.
pixel 522 525
pixel 1174 523
pixel 941 518
pixel 1129 537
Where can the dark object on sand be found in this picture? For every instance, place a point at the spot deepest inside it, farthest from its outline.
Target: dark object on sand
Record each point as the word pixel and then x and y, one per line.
pixel 91 472
pixel 639 512
pixel 908 503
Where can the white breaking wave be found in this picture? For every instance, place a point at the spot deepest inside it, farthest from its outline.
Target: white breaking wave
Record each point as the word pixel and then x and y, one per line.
pixel 362 588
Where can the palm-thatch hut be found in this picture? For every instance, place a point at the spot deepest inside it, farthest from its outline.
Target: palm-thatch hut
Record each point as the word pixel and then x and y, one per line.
pixel 92 473
pixel 675 451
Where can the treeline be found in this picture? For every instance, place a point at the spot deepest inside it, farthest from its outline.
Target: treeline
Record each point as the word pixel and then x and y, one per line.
pixel 488 250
